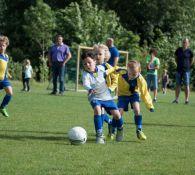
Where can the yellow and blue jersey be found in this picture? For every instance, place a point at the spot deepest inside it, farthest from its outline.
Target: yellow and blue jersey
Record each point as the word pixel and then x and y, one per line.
pixel 128 87
pixel 111 79
pixel 3 66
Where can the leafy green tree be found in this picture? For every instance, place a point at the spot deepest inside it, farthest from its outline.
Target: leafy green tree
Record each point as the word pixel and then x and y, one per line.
pixel 39 24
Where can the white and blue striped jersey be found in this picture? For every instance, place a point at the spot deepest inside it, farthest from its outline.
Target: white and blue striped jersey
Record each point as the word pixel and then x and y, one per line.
pixel 97 82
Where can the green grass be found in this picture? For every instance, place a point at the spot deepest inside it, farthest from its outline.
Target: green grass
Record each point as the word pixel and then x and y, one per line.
pixel 33 141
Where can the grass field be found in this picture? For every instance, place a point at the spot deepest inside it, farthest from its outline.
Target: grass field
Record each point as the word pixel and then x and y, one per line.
pixel 33 141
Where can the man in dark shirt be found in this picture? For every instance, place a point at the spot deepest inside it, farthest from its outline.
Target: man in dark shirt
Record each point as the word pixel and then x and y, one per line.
pixel 184 60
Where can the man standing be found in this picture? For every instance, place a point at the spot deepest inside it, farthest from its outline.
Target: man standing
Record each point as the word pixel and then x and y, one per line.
pixel 184 60
pixel 59 55
pixel 153 64
pixel 114 53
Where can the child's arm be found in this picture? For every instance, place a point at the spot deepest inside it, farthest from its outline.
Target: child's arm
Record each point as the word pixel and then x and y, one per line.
pixel 86 82
pixel 144 93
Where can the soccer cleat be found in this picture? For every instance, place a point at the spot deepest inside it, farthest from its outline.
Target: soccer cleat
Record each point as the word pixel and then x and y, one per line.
pixel 4 112
pixel 100 139
pixel 111 137
pixel 154 100
pixel 141 135
pixel 119 135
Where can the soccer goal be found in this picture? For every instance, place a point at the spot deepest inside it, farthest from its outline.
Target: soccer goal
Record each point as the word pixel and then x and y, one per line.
pixel 124 56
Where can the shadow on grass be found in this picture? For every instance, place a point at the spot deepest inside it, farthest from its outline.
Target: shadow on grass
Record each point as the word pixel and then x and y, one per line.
pixel 43 136
pixel 163 125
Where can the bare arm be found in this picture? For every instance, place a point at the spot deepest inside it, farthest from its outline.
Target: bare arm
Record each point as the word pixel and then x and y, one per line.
pixel 116 61
pixel 69 56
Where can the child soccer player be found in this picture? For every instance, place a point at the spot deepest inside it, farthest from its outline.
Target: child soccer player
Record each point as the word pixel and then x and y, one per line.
pixel 103 56
pixel 99 95
pixel 132 85
pixel 4 82
pixel 165 80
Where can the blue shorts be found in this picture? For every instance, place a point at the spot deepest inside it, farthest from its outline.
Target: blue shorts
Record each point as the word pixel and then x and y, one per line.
pixel 152 81
pixel 124 101
pixel 107 105
pixel 4 83
pixel 182 78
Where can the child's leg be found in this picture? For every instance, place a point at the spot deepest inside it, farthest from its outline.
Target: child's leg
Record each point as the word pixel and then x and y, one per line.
pixel 98 120
pixel 105 117
pixel 138 121
pixel 119 124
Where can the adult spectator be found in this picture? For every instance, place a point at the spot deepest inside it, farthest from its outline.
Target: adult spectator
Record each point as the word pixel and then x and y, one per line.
pixel 153 64
pixel 184 60
pixel 59 54
pixel 114 53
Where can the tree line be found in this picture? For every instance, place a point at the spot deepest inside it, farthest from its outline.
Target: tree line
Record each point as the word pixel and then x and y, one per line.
pixel 135 25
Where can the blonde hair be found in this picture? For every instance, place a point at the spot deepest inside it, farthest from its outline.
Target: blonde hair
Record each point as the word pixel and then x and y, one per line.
pixel 135 62
pixel 4 39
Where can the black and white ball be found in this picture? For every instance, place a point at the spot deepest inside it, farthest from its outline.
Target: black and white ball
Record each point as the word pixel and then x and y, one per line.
pixel 77 135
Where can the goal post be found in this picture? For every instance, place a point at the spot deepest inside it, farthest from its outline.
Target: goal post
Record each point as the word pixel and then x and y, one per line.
pixel 80 48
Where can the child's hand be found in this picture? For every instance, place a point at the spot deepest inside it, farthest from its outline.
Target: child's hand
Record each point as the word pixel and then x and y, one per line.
pixel 151 109
pixel 91 91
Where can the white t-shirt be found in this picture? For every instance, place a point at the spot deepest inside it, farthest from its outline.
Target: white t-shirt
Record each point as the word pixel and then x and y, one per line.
pixel 28 71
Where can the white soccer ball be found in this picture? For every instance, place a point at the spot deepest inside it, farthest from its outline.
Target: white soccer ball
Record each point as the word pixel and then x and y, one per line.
pixel 77 135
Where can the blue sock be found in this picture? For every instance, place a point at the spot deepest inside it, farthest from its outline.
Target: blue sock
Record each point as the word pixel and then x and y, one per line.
pixel 6 100
pixel 114 124
pixel 106 118
pixel 119 123
pixel 138 122
pixel 98 124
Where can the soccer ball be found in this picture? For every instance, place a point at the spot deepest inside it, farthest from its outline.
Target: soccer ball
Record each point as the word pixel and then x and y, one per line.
pixel 77 135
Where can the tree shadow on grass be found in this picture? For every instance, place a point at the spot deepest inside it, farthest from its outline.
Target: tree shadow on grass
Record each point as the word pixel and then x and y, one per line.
pixel 163 125
pixel 33 135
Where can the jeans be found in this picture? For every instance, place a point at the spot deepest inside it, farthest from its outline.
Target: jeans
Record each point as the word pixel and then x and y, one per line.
pixel 58 71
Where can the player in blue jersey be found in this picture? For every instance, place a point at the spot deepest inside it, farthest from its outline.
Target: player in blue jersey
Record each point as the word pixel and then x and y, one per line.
pixel 4 82
pixel 99 95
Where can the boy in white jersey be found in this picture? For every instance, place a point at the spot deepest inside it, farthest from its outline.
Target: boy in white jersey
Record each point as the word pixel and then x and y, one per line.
pixel 99 95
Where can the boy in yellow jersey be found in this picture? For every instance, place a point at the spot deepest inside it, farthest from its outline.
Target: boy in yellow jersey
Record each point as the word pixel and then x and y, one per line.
pixel 4 82
pixel 132 85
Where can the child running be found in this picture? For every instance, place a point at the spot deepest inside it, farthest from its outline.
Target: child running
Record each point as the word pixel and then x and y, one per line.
pixel 4 82
pixel 99 95
pixel 103 56
pixel 132 85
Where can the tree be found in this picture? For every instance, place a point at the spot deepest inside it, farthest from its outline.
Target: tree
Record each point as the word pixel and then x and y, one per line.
pixel 39 24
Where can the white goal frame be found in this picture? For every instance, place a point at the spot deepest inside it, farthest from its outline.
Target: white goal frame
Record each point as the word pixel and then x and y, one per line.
pixel 125 53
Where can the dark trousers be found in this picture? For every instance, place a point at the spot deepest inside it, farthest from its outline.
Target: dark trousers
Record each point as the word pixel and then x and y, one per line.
pixel 58 71
pixel 27 84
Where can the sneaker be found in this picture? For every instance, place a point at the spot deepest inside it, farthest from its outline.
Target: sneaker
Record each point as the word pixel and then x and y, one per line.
pixel 154 100
pixel 4 112
pixel 119 135
pixel 186 102
pixel 61 93
pixel 100 139
pixel 53 93
pixel 141 135
pixel 175 101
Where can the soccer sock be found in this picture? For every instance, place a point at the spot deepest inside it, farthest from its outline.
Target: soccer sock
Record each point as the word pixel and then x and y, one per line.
pixel 98 124
pixel 119 123
pixel 6 100
pixel 114 124
pixel 138 122
pixel 106 118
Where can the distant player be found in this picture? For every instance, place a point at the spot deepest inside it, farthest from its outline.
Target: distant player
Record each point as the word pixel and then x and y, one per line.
pixel 165 81
pixel 103 56
pixel 132 86
pixel 99 95
pixel 4 82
